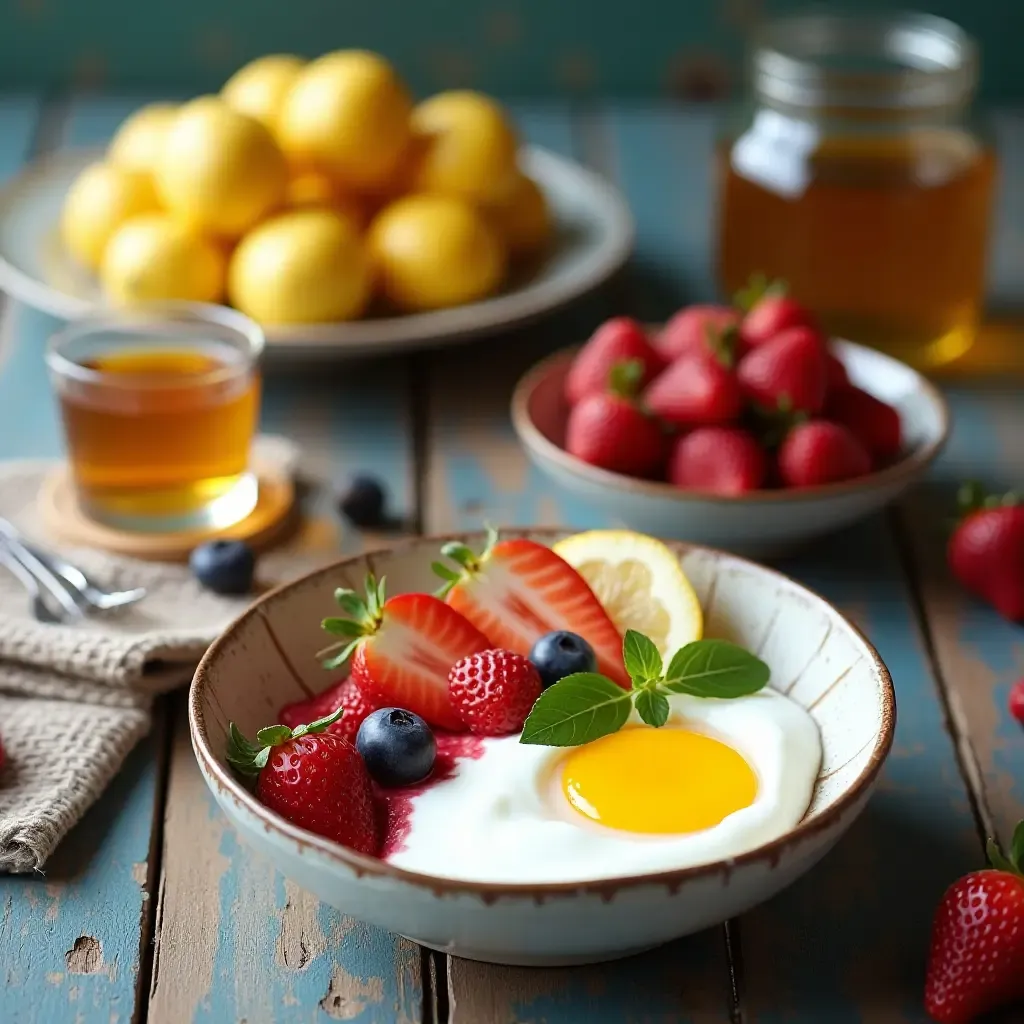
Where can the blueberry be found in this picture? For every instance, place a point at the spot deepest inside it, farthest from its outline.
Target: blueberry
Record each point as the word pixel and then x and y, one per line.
pixel 364 502
pixel 224 566
pixel 397 747
pixel 557 655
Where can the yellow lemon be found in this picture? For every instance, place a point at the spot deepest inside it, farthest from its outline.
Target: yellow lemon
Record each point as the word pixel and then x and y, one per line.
pixel 348 114
pixel 137 144
pixel 640 583
pixel 470 147
pixel 522 218
pixel 435 251
pixel 312 189
pixel 100 200
pixel 156 257
pixel 302 266
pixel 220 170
pixel 259 88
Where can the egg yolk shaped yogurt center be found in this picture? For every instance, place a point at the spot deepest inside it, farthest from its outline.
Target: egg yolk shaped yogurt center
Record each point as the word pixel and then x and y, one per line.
pixel 657 781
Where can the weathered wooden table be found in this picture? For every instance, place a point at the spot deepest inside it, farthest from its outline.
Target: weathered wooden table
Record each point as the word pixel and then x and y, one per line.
pixel 151 910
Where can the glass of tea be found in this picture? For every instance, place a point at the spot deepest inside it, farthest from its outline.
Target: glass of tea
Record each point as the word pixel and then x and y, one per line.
pixel 857 174
pixel 160 405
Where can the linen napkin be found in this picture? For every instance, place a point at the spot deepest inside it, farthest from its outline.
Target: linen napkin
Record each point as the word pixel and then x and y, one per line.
pixel 75 699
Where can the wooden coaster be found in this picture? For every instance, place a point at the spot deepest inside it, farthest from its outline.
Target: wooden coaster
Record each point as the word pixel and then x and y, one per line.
pixel 271 519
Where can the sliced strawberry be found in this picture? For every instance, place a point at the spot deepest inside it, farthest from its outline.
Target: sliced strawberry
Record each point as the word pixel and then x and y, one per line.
pixel 403 649
pixel 518 590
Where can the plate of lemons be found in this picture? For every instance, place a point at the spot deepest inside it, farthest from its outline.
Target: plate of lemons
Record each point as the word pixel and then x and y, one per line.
pixel 320 199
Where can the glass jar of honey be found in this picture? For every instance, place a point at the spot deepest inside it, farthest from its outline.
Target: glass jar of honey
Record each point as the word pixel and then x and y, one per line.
pixel 857 176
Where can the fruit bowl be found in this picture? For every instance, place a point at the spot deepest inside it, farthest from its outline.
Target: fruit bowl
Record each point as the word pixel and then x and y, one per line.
pixel 759 523
pixel 265 660
pixel 594 233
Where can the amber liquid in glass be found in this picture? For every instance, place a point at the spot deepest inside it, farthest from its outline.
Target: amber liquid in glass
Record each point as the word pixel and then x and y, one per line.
pixel 163 432
pixel 886 240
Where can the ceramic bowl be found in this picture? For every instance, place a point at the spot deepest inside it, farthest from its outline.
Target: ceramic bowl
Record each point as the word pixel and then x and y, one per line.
pixel 762 523
pixel 266 658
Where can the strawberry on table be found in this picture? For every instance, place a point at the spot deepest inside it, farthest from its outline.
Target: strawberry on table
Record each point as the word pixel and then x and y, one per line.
pixel 609 430
pixel 698 329
pixel 696 389
pixel 402 648
pixel 875 424
pixel 617 341
pixel 494 691
pixel 820 452
pixel 517 590
pixel 788 372
pixel 986 551
pixel 976 962
pixel 723 460
pixel 311 777
pixel 344 694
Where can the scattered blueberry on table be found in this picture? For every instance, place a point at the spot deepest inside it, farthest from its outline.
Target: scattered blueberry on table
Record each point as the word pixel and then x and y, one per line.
pixel 364 502
pixel 560 654
pixel 397 746
pixel 224 566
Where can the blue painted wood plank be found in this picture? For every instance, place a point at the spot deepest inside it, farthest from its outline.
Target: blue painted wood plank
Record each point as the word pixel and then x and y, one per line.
pixel 980 655
pixel 848 942
pixel 86 913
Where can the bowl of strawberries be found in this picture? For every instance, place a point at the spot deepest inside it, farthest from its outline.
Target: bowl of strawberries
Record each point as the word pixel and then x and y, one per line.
pixel 741 428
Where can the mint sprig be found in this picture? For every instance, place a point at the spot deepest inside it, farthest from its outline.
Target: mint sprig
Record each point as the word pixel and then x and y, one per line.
pixel 586 706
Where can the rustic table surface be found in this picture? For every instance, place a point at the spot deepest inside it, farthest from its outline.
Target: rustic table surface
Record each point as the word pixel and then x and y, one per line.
pixel 152 910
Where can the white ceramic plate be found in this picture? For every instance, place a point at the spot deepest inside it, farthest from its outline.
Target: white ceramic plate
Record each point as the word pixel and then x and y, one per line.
pixel 594 238
pixel 758 524
pixel 265 659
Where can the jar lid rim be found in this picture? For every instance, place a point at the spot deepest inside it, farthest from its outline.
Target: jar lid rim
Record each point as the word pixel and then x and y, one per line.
pixel 931 61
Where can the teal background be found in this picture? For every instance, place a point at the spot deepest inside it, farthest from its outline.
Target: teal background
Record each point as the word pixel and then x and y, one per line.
pixel 527 48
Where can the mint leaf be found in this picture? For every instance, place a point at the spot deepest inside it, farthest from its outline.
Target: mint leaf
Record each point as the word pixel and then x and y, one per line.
pixel 577 709
pixel 652 707
pixel 715 668
pixel 642 658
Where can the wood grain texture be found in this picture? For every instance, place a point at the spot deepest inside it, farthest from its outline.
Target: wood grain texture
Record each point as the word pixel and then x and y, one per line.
pixel 236 940
pixel 478 473
pixel 70 939
pixel 979 654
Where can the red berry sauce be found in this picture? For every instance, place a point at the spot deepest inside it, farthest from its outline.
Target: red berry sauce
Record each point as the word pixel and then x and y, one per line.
pixel 394 806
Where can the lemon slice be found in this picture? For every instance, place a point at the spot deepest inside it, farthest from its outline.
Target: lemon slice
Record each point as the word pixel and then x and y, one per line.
pixel 640 583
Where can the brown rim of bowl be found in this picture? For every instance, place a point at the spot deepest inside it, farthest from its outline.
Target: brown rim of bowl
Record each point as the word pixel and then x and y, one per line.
pixel 532 439
pixel 770 852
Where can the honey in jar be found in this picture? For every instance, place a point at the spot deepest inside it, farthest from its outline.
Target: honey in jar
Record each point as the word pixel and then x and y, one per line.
pixel 158 424
pixel 858 181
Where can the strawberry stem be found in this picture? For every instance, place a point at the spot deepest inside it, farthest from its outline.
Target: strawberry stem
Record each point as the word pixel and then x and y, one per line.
pixel 625 378
pixel 756 289
pixel 722 343
pixel 250 758
pixel 463 556
pixel 365 617
pixel 972 497
pixel 1013 862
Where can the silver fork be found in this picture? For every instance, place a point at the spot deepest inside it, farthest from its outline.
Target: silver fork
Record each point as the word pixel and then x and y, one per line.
pixel 55 572
pixel 40 607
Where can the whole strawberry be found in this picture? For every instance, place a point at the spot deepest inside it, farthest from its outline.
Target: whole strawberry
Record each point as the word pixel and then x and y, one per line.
pixel 874 423
pixel 835 373
pixel 769 312
pixel 355 706
pixel 1016 701
pixel 494 691
pixel 976 962
pixel 314 779
pixel 698 329
pixel 617 341
pixel 986 551
pixel 609 430
pixel 789 372
pixel 722 460
pixel 695 390
pixel 821 453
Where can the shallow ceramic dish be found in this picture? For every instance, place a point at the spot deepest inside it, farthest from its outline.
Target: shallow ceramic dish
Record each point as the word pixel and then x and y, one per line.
pixel 266 659
pixel 759 524
pixel 594 236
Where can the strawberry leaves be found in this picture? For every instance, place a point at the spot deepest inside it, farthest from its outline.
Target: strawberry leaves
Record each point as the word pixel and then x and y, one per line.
pixel 1013 862
pixel 363 617
pixel 585 706
pixel 250 758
